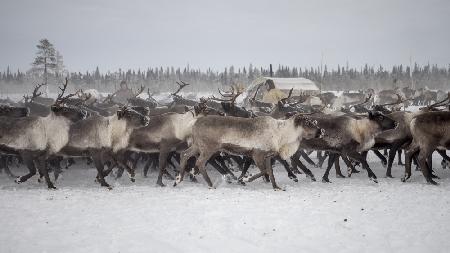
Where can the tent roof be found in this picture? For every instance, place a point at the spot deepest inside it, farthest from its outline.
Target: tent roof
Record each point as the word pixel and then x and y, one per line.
pixel 299 83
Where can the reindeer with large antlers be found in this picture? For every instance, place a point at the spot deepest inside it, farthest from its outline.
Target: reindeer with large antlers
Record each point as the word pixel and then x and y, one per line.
pixel 36 138
pixel 228 102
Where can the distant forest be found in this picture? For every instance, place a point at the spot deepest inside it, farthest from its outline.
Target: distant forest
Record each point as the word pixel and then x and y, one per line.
pixel 161 79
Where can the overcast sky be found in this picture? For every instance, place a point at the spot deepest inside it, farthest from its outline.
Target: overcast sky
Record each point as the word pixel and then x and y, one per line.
pixel 138 34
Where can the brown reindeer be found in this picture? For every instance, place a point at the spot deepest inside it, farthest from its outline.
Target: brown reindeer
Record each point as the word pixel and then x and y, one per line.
pixel 261 138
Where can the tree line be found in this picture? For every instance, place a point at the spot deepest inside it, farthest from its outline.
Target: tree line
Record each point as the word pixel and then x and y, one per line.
pixel 48 67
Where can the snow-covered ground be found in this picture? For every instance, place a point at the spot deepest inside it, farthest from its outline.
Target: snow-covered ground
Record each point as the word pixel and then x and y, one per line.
pixel 348 215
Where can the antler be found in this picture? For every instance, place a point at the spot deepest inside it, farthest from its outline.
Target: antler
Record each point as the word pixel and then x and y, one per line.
pixel 180 87
pixel 441 103
pixel 35 93
pixel 234 93
pixel 256 92
pixel 139 91
pixel 60 99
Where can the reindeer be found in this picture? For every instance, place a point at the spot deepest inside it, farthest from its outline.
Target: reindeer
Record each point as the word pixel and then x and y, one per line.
pixel 36 108
pixel 348 137
pixel 37 138
pixel 430 131
pixel 229 106
pixel 7 112
pixel 260 138
pixel 165 133
pixel 228 103
pixel 101 137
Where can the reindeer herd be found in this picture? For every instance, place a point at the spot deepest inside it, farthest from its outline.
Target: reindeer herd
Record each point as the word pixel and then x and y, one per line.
pixel 49 135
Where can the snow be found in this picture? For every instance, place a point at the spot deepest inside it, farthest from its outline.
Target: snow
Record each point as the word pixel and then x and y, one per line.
pixel 80 216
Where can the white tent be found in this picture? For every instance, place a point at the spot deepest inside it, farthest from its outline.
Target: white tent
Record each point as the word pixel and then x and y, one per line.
pixel 299 85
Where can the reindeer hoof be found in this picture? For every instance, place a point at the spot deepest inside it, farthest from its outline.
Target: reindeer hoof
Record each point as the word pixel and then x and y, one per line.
pixel 389 176
pixel 278 189
pixel 18 180
pixel 340 176
pixel 405 178
pixel 434 176
pixel 52 187
pixel 325 180
pixel 432 182
pixel 160 184
pixel 374 179
pixel 132 179
pixel 241 182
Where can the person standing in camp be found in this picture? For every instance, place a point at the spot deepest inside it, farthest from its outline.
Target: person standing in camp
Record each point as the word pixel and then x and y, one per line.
pixel 123 94
pixel 273 95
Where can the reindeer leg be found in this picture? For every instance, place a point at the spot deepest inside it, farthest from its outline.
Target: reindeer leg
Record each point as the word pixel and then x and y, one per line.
pixel 200 164
pixel 185 156
pixel 424 152
pixel 391 158
pixel 286 167
pixel 5 166
pixel 163 153
pixel 308 173
pixel 221 162
pixel 337 167
pixel 322 159
pixel 42 165
pixel 399 157
pixel 350 168
pixel 409 156
pixel 28 161
pixel 269 169
pixel 359 157
pixel 331 158
pixel 147 166
pixel 295 159
pixel 120 171
pixel 247 162
pixel 97 159
pixel 382 157
pixel 307 159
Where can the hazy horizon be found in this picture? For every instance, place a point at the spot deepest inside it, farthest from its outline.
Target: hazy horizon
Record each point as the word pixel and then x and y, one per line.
pixel 141 34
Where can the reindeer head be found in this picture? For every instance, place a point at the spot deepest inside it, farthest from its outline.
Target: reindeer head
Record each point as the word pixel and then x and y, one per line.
pixel 133 118
pixel 309 126
pixel 202 108
pixel 70 112
pixel 60 107
pixel 16 112
pixel 383 121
